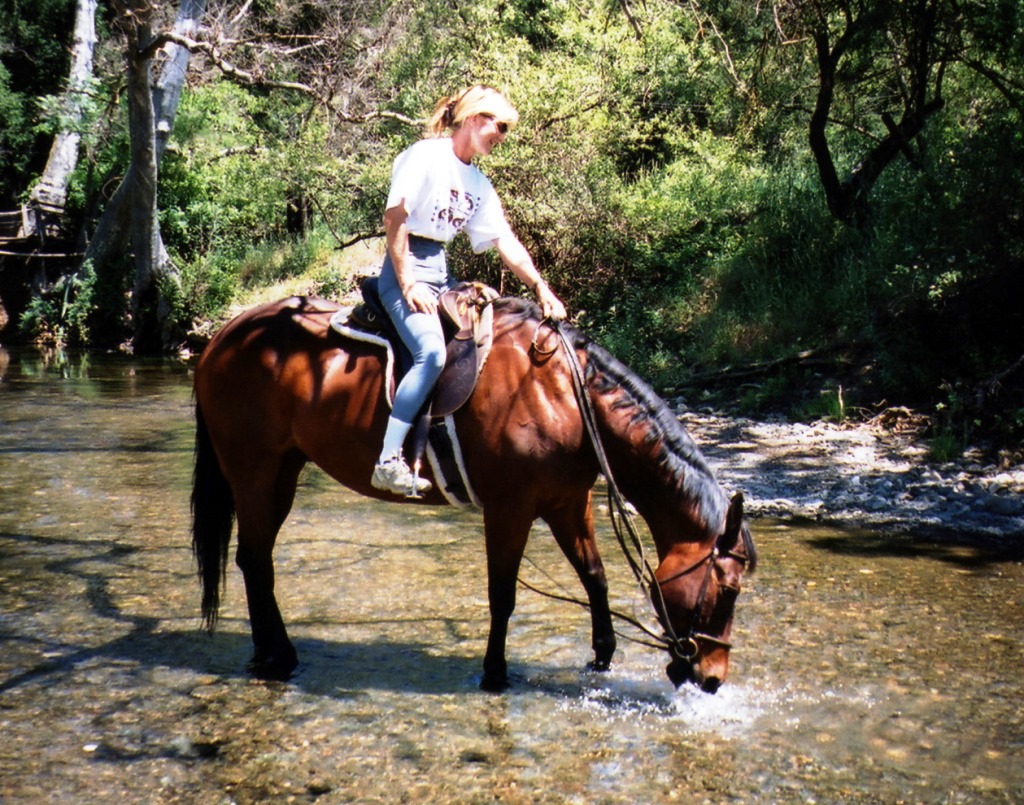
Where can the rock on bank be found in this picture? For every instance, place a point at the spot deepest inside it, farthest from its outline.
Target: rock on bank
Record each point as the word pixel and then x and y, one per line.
pixel 859 475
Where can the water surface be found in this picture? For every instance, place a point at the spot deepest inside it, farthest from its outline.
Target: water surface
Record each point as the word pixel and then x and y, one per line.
pixel 867 668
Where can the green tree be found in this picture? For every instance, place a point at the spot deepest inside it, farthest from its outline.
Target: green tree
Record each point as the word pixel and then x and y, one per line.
pixel 33 64
pixel 880 71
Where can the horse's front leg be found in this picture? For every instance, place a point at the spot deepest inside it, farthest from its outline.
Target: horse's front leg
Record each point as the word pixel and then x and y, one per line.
pixel 572 525
pixel 506 530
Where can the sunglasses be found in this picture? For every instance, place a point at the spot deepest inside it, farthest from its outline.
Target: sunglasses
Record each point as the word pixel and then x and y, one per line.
pixel 502 126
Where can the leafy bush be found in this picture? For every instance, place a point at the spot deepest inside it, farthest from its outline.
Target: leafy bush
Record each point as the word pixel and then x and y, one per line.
pixel 59 315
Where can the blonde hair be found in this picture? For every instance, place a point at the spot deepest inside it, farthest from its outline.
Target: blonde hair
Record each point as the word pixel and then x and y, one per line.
pixel 480 99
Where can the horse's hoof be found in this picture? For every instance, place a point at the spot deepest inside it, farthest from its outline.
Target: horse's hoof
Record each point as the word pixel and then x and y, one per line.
pixel 272 669
pixel 490 684
pixel 599 665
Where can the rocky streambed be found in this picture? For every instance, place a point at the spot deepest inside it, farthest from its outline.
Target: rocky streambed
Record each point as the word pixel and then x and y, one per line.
pixel 874 475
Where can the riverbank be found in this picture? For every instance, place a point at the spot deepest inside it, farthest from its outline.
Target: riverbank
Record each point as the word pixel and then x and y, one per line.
pixel 872 474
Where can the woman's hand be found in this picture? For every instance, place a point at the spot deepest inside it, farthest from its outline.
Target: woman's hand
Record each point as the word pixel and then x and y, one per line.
pixel 515 256
pixel 550 305
pixel 420 298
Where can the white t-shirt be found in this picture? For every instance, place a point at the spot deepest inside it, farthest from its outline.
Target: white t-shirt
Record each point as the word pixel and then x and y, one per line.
pixel 443 195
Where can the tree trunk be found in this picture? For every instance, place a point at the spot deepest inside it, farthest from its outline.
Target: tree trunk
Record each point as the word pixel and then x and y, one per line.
pixel 150 263
pixel 171 79
pixel 50 193
pixel 847 197
pixel 129 221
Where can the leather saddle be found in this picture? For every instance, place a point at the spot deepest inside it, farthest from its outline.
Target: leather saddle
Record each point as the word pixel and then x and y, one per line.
pixel 466 318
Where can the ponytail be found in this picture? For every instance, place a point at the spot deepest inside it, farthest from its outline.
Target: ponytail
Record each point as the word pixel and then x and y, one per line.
pixel 443 117
pixel 479 99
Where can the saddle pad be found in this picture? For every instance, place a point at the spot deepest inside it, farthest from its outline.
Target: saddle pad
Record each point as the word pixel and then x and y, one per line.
pixel 339 323
pixel 443 449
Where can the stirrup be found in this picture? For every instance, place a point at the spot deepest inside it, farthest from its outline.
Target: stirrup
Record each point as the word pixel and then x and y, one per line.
pixel 414 493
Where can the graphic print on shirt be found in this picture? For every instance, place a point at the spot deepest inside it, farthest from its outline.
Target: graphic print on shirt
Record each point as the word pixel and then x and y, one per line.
pixel 461 206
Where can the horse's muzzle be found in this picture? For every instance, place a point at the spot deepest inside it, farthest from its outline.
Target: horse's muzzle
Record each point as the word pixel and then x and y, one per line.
pixel 681 671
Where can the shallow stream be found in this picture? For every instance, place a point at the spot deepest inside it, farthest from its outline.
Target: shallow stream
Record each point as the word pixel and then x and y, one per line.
pixel 867 668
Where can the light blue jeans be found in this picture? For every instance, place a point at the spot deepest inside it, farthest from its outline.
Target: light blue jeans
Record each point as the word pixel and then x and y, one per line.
pixel 421 332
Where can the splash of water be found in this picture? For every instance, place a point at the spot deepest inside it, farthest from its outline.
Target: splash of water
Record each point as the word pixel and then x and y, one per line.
pixel 644 696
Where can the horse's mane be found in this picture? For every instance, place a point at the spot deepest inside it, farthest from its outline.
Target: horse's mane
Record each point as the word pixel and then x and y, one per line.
pixel 677 453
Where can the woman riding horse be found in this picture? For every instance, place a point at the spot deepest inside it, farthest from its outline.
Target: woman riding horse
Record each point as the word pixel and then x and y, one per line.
pixel 437 192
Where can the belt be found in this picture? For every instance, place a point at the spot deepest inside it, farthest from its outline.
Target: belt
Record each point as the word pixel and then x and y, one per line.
pixel 424 240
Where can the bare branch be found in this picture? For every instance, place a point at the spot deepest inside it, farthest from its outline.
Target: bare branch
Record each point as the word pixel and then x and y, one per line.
pixel 241 12
pixel 352 241
pixel 703 20
pixel 254 79
pixel 554 120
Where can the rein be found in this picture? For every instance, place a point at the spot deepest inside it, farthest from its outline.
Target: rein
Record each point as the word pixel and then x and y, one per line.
pixel 660 644
pixel 625 530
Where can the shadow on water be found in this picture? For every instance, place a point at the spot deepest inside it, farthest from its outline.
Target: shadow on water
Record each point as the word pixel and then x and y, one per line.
pixel 967 554
pixel 327 667
pixel 159 444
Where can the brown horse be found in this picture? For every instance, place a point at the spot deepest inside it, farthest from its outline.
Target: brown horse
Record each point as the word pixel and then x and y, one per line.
pixel 277 388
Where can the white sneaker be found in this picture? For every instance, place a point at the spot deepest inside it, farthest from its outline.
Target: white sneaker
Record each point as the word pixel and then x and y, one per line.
pixel 393 475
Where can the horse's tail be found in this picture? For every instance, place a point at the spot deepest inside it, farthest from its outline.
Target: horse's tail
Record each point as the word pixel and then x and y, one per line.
pixel 213 513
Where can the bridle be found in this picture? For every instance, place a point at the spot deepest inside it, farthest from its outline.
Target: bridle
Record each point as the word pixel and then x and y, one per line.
pixel 688 647
pixel 684 648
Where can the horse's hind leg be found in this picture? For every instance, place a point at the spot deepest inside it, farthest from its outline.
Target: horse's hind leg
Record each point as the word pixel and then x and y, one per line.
pixel 573 528
pixel 507 528
pixel 261 513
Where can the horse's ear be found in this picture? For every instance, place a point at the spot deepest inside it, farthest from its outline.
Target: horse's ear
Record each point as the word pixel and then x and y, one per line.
pixel 733 525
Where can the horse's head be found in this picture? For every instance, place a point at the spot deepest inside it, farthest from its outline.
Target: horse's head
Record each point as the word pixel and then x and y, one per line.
pixel 695 599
